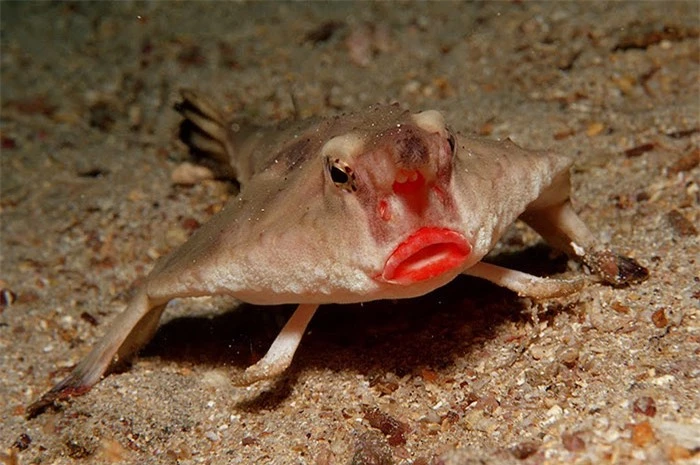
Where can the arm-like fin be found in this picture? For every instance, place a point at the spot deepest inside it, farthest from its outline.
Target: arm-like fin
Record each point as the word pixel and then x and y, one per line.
pixel 526 285
pixel 279 356
pixel 615 269
pixel 126 335
pixel 561 227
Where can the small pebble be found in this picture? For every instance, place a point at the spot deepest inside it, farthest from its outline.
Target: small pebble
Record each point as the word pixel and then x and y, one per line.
pixel 642 434
pixel 22 442
pixel 659 318
pixel 594 129
pixel 370 449
pixel 573 442
pixel 524 450
pixel 645 405
pixel 187 174
pixel 681 225
pixel 248 441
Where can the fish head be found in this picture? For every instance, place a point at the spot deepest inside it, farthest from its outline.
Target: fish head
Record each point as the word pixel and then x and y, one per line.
pixel 395 173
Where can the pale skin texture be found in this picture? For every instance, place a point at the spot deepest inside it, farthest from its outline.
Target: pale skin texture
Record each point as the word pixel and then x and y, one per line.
pixel 379 204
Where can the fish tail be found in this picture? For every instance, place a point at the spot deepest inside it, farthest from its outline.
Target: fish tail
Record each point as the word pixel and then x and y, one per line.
pixel 207 133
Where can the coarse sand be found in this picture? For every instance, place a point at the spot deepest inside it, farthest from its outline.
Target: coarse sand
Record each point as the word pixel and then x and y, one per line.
pixel 468 374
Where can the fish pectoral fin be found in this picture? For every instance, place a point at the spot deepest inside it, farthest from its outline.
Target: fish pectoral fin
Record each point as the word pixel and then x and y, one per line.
pixel 526 285
pixel 562 228
pixel 615 269
pixel 279 356
pixel 129 331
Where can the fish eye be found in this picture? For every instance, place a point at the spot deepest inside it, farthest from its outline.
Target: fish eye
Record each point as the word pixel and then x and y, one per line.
pixel 451 141
pixel 341 174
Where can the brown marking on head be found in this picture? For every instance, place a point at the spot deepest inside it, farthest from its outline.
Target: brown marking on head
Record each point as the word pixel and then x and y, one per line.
pixel 406 144
pixel 411 150
pixel 296 154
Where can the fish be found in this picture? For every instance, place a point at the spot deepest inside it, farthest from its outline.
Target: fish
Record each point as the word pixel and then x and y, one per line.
pixel 381 203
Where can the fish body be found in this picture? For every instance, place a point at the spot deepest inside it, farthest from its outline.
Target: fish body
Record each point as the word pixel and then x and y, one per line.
pixel 378 204
pixel 294 235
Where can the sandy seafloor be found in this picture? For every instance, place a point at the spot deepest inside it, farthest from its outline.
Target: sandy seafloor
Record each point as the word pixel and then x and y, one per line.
pixel 468 374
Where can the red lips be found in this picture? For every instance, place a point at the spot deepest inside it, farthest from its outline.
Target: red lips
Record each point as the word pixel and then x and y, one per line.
pixel 427 253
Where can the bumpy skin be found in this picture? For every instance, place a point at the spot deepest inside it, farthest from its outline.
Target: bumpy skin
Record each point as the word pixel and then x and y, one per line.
pixel 373 205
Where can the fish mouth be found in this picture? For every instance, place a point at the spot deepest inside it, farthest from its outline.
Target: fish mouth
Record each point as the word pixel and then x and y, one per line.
pixel 425 254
